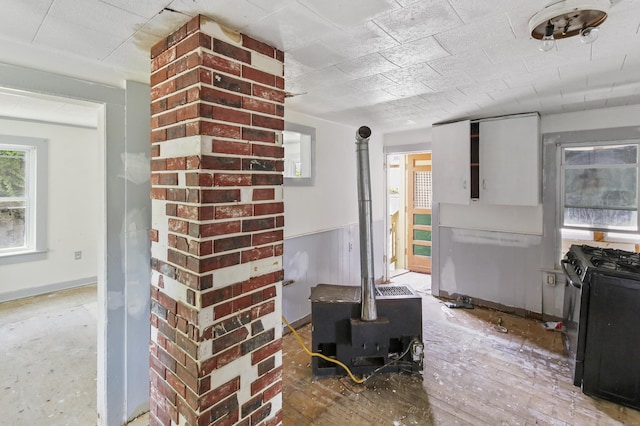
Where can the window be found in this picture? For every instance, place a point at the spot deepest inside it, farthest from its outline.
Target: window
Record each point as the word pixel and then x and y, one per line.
pixel 600 187
pixel 22 195
pixel 298 142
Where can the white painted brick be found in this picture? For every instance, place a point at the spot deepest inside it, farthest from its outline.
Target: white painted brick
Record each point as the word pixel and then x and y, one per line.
pixel 266 64
pixel 175 290
pixel 154 334
pixel 212 28
pixel 246 195
pixel 205 317
pixel 182 147
pixel 264 266
pixel 277 196
pixel 231 274
pixel 205 350
pixel 238 367
pixel 182 179
pixel 276 404
pixel 159 251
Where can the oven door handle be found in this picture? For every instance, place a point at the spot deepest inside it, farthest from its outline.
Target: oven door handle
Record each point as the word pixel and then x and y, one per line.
pixel 573 278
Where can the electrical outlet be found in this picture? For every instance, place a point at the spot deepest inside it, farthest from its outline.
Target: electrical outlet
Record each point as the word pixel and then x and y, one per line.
pixel 551 279
pixel 77 255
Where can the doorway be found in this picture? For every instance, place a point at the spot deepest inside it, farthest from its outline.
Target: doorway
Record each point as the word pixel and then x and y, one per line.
pixel 409 194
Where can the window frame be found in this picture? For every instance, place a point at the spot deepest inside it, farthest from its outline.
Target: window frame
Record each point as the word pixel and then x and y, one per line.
pixel 37 199
pixel 562 184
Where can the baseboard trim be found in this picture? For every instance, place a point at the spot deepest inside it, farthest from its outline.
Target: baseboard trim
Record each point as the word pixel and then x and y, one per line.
pixel 296 324
pixel 49 288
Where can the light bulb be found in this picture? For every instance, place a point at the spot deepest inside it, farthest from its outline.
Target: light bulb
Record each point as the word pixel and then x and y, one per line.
pixel 548 42
pixel 588 35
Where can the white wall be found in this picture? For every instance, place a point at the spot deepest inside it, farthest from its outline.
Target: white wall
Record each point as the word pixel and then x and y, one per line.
pixel 72 211
pixel 332 202
pixel 592 119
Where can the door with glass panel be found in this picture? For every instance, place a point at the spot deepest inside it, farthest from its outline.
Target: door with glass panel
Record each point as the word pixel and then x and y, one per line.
pixel 419 212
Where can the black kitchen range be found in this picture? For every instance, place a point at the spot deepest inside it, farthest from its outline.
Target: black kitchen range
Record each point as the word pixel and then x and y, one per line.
pixel 602 319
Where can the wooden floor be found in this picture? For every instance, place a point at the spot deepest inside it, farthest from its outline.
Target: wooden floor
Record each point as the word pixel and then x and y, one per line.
pixel 473 375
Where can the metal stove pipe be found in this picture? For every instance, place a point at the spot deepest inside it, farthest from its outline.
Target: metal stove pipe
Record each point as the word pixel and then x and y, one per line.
pixel 368 310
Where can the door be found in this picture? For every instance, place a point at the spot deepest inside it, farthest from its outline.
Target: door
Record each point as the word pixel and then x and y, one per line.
pixel 419 196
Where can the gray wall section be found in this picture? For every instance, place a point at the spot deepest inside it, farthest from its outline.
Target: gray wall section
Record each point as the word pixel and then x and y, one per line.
pixel 124 335
pixel 135 230
pixel 328 257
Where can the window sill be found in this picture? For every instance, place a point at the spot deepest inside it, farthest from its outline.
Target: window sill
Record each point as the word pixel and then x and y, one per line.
pixel 22 257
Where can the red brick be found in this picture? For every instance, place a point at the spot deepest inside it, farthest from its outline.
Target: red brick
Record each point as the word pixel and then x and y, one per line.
pixel 231 84
pixel 232 243
pixel 218 228
pixel 228 340
pixel 279 221
pixel 259 164
pixel 193 42
pixel 280 82
pixel 220 130
pixel 178 226
pixel 262 194
pixel 176 132
pixel 280 55
pixel 163 89
pixel 259 76
pixel 213 397
pixel 231 51
pixel 267 237
pixel 188 112
pixel 270 150
pixel 267 179
pixel 263 309
pixel 159 193
pixel 268 93
pixel 265 380
pixel 158 77
pixel 268 208
pixel 176 163
pixel 257 253
pixel 221 64
pixel 161 60
pixel 280 110
pixel 230 147
pixel 258 105
pixel 217 262
pixel 220 195
pixel 153 235
pixel 251 225
pixel 225 114
pixel 258 46
pixel 278 250
pixel 227 212
pixel 220 97
pixel 258 135
pixel 210 162
pixel 176 383
pixel 235 179
pixel 177 99
pixel 228 356
pixel 159 47
pixel 261 281
pixel 176 194
pixel 176 36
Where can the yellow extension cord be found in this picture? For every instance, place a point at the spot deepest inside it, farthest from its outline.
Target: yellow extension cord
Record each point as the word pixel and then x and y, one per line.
pixel 326 358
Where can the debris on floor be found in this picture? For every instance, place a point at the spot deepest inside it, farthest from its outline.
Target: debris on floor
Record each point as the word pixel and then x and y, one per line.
pixel 553 325
pixel 500 327
pixel 461 302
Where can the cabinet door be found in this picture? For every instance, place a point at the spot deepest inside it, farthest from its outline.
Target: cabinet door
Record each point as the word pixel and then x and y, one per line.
pixel 451 162
pixel 510 161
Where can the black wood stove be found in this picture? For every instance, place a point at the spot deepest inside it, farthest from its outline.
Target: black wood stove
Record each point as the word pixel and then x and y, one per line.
pixel 367 328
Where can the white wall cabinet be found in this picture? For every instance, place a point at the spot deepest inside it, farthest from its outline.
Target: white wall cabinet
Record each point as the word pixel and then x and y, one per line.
pixel 509 162
pixel 451 159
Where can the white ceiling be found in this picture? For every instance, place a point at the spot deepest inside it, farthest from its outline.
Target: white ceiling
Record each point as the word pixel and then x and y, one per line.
pixel 389 64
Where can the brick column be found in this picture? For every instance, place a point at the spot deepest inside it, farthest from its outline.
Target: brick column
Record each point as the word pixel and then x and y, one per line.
pixel 218 216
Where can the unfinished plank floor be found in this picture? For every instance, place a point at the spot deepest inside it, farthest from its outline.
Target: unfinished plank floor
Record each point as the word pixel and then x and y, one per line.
pixel 473 375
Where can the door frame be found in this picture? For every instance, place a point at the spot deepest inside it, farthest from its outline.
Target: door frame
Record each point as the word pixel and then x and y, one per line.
pixel 417 148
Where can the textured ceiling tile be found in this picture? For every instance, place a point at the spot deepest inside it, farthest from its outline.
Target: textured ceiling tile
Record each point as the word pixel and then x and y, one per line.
pixel 461 62
pixel 513 50
pixel 352 12
pixel 373 82
pixel 290 27
pixel 235 15
pixel 449 81
pixel 133 53
pixel 478 34
pixel 482 88
pixel 293 68
pixel 146 8
pixel 408 89
pixel 366 65
pixel 97 16
pixel 164 23
pixel 419 20
pixel 474 9
pixel 359 40
pixel 315 55
pixel 423 50
pixel 324 76
pixel 544 77
pixel 418 72
pixel 20 20
pixel 492 72
pixel 60 34
pixel 568 51
pixel 272 5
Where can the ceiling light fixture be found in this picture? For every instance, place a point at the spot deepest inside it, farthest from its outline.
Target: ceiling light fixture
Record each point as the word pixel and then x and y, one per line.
pixel 568 18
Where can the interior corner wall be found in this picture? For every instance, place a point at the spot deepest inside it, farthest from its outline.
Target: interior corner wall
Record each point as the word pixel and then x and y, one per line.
pixel 72 212
pixel 114 331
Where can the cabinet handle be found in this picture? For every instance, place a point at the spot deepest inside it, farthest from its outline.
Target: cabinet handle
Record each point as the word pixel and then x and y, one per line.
pixel 484 184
